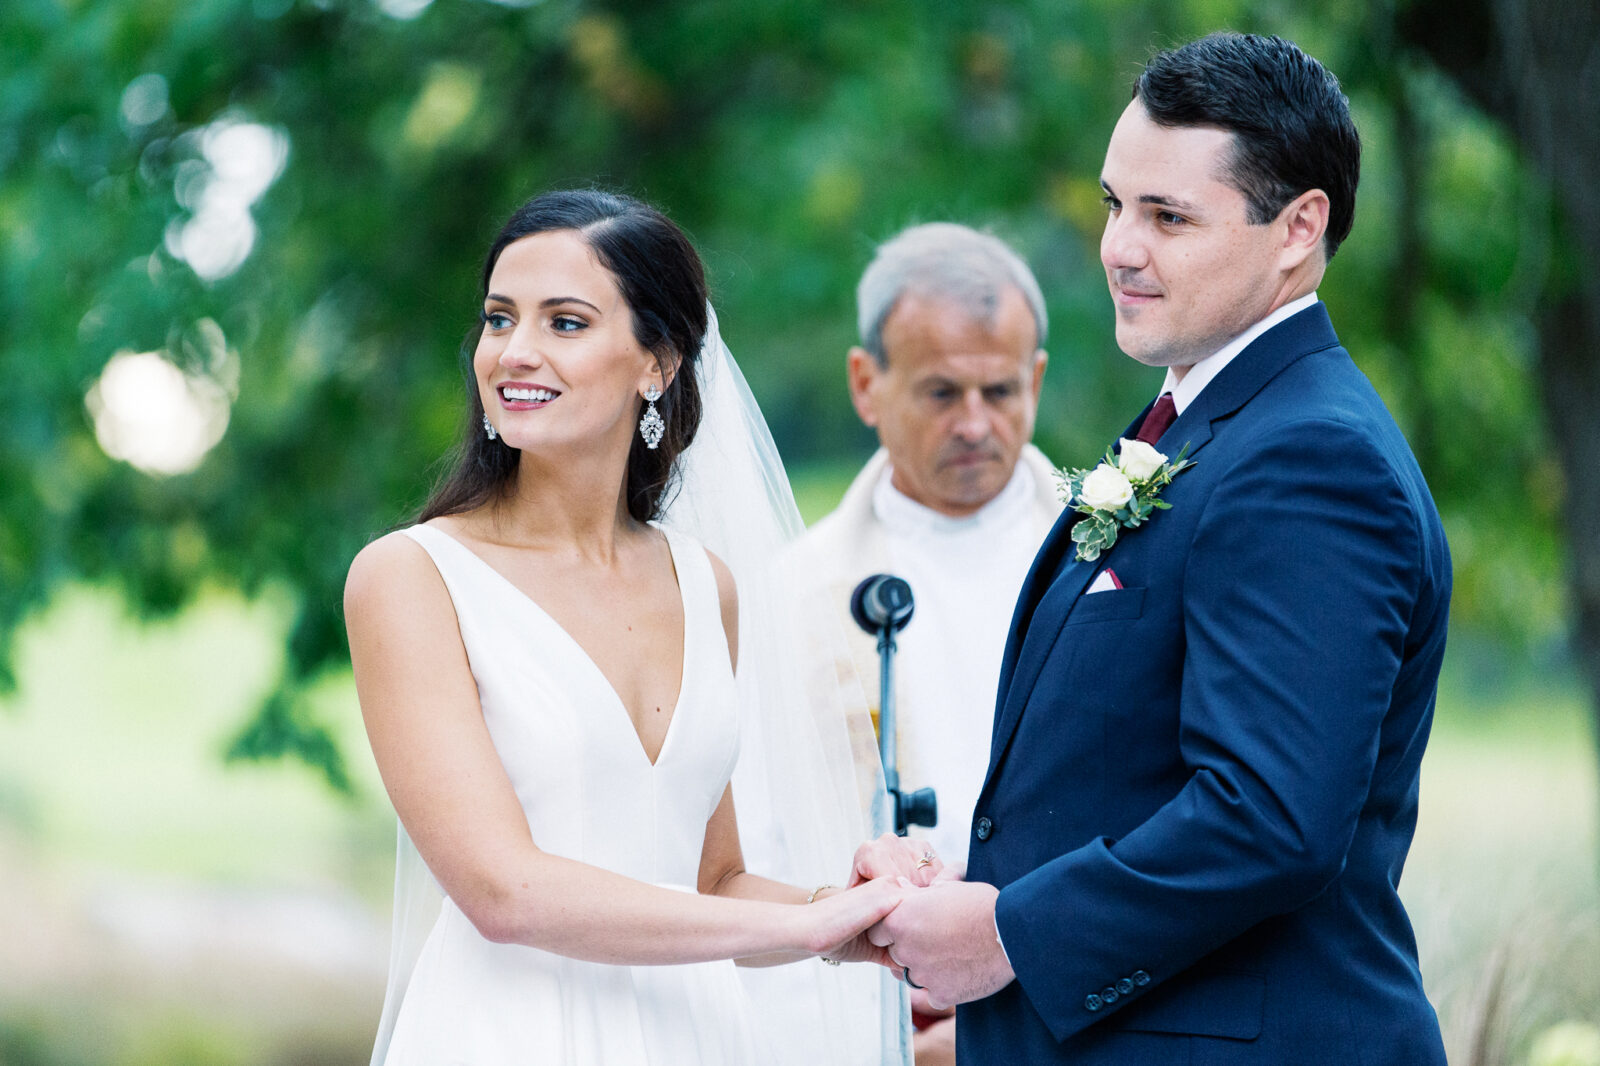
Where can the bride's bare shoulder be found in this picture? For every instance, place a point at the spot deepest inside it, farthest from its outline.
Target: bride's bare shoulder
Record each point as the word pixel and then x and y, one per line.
pixel 389 572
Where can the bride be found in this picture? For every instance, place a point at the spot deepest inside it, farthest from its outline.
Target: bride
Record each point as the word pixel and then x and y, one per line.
pixel 546 668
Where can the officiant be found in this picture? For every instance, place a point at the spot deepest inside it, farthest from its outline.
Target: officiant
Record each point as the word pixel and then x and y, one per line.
pixel 955 500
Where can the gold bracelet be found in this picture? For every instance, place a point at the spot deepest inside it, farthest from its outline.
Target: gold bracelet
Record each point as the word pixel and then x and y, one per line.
pixel 812 899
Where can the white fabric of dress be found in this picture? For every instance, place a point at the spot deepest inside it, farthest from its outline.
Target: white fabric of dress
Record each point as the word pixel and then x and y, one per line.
pixel 591 794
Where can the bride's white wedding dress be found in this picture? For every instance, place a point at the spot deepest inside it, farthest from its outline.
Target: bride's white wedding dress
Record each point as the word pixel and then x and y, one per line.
pixel 590 793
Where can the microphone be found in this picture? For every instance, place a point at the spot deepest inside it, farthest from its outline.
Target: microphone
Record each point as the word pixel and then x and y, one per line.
pixel 882 602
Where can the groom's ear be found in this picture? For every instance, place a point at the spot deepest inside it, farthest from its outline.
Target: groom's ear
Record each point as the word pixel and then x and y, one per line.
pixel 862 369
pixel 1304 221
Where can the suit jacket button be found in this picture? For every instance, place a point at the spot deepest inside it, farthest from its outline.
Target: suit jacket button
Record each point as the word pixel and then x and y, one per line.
pixel 1125 986
pixel 1141 978
pixel 1092 1002
pixel 984 828
pixel 1109 994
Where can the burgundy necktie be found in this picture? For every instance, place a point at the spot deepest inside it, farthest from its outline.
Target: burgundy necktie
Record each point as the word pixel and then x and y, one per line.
pixel 1156 422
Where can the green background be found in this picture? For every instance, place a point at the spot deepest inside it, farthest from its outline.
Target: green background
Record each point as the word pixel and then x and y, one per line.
pixel 174 890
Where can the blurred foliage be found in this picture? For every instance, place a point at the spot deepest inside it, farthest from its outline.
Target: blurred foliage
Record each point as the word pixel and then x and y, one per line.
pixel 787 136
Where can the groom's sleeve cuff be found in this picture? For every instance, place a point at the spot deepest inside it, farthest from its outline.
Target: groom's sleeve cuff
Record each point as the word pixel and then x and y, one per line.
pixel 1002 943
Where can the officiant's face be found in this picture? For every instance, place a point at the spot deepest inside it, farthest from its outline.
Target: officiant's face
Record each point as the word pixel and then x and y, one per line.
pixel 957 400
pixel 1187 271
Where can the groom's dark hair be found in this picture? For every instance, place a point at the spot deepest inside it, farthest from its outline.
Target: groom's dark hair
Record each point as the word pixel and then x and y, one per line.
pixel 1290 120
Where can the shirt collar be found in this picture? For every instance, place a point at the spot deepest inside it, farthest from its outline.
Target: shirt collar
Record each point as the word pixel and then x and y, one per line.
pixel 898 511
pixel 1201 373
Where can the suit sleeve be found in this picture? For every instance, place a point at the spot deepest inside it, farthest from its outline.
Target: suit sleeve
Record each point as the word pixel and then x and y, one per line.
pixel 1298 590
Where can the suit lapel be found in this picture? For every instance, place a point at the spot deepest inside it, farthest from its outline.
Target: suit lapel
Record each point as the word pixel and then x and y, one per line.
pixel 1040 574
pixel 1052 587
pixel 1031 641
pixel 1041 578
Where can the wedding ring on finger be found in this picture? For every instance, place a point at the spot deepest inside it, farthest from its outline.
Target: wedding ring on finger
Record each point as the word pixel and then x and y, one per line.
pixel 926 860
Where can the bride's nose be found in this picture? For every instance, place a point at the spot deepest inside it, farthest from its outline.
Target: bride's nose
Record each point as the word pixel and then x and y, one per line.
pixel 521 350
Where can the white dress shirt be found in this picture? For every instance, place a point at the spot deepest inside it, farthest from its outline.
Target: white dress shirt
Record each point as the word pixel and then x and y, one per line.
pixel 1200 374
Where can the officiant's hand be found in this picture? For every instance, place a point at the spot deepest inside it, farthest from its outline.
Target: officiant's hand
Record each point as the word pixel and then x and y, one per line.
pixel 943 939
pixel 894 856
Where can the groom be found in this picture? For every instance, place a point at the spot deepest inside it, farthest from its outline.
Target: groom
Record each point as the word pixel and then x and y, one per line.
pixel 1203 779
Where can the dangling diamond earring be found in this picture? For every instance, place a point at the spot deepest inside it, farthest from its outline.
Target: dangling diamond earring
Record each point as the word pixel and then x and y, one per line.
pixel 488 427
pixel 651 426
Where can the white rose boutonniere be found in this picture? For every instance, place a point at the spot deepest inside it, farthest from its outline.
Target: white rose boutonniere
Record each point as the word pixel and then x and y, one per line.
pixel 1105 488
pixel 1121 493
pixel 1138 459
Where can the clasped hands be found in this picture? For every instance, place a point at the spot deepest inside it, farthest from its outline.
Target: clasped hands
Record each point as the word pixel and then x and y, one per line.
pixel 940 937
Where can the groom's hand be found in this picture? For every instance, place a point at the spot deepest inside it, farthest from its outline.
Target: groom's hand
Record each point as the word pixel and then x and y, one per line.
pixel 944 939
pixel 893 856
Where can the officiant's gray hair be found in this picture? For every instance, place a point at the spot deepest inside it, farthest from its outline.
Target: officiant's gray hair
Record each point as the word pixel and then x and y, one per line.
pixel 949 261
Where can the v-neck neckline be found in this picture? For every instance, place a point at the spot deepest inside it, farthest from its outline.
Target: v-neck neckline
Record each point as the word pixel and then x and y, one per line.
pixel 588 660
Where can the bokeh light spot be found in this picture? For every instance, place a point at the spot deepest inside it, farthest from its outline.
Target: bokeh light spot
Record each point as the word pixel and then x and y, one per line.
pixel 151 415
pixel 144 100
pixel 239 162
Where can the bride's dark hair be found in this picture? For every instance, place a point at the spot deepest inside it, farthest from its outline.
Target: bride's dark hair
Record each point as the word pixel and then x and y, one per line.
pixel 661 277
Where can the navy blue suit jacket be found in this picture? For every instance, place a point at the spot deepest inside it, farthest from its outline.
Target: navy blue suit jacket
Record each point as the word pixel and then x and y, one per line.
pixel 1203 785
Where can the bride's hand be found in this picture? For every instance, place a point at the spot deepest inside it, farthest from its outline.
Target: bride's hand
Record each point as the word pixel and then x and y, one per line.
pixel 895 856
pixel 836 924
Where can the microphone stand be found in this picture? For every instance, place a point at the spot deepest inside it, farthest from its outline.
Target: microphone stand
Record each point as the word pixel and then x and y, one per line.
pixel 882 604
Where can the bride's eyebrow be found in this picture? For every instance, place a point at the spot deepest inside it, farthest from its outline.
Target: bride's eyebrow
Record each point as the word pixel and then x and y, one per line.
pixel 555 301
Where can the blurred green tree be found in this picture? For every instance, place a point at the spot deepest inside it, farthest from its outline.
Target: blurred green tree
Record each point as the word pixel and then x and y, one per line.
pixel 1535 67
pixel 287 200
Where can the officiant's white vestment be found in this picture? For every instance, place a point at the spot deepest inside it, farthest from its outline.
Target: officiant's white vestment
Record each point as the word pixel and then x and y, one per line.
pixel 965 574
